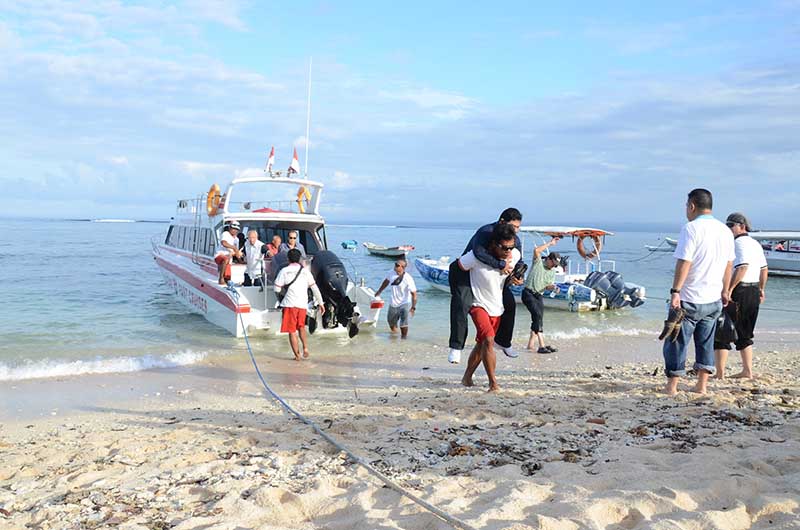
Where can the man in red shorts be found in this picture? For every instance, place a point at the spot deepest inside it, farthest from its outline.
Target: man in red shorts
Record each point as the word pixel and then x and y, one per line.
pixel 228 249
pixel 487 306
pixel 294 281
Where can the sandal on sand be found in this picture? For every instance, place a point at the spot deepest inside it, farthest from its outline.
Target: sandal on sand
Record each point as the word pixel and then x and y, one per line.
pixel 543 349
pixel 551 349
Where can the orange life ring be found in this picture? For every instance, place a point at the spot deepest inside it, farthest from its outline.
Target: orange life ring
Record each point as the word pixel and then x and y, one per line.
pixel 598 245
pixel 303 193
pixel 213 200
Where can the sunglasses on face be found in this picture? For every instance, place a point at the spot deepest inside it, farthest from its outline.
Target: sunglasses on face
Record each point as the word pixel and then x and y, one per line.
pixel 506 249
pixel 290 237
pixel 731 225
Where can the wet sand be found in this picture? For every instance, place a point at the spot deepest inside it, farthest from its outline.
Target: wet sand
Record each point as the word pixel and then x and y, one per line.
pixel 577 439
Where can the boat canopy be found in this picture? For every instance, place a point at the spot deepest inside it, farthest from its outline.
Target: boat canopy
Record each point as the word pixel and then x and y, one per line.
pixel 776 235
pixel 561 231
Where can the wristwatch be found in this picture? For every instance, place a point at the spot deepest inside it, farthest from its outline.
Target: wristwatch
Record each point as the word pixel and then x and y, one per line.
pixel 674 291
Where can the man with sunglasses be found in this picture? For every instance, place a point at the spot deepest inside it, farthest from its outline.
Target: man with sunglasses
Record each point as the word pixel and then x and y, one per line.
pixel 746 291
pixel 404 297
pixel 700 287
pixel 487 285
pixel 292 242
pixel 461 291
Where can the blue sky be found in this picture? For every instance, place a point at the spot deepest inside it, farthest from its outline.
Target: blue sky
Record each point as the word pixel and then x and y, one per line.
pixel 435 111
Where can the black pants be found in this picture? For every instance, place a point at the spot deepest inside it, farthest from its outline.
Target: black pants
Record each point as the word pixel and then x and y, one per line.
pixel 533 301
pixel 248 282
pixel 460 303
pixel 748 300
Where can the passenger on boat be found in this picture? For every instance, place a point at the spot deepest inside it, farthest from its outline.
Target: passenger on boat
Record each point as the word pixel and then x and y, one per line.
pixel 780 246
pixel 293 282
pixel 274 247
pixel 404 297
pixel 487 285
pixel 747 291
pixel 292 242
pixel 228 248
pixel 541 278
pixel 461 293
pixel 254 251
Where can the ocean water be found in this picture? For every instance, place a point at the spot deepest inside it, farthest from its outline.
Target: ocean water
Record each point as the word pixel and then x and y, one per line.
pixel 86 297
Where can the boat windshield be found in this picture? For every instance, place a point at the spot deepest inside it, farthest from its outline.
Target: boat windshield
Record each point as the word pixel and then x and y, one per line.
pixel 312 237
pixel 278 197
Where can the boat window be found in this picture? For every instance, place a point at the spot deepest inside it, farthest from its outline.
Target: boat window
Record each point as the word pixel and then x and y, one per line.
pixel 169 234
pixel 308 235
pixel 322 237
pixel 211 243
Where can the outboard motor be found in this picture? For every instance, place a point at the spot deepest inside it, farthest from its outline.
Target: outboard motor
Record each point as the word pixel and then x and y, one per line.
pixel 331 278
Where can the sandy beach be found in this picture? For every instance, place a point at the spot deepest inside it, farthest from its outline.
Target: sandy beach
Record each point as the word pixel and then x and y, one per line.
pixel 572 441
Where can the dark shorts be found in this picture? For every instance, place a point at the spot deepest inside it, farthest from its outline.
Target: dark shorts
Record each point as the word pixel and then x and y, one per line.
pixel 748 300
pixel 533 301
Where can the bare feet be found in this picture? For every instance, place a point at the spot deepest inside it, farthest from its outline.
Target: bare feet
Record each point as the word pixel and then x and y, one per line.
pixel 222 282
pixel 720 376
pixel 699 389
pixel 671 388
pixel 742 375
pixel 467 381
pixel 297 358
pixel 493 389
pixel 305 354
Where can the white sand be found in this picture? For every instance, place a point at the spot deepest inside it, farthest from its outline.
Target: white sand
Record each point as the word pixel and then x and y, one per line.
pixel 563 446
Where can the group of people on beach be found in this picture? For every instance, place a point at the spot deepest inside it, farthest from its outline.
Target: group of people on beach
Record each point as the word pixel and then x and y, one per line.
pixel 718 266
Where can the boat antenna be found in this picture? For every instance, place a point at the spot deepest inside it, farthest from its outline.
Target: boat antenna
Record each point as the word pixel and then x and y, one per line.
pixel 308 112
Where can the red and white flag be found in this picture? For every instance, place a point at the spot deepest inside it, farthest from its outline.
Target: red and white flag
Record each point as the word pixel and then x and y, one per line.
pixel 271 160
pixel 295 166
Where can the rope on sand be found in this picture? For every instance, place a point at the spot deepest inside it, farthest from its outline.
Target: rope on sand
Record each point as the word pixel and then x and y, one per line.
pixel 453 521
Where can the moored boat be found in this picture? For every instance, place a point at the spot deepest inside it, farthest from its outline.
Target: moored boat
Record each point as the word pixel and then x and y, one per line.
pixel 782 250
pixel 185 256
pixel 597 287
pixel 400 251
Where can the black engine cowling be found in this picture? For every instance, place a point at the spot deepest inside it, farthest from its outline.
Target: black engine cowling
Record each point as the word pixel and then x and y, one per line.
pixel 331 278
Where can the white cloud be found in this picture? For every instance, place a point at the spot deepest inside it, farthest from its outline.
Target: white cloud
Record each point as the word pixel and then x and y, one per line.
pixel 118 160
pixel 430 99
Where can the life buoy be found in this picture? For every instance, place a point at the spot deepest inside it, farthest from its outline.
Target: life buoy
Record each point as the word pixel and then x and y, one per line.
pixel 598 245
pixel 303 193
pixel 213 200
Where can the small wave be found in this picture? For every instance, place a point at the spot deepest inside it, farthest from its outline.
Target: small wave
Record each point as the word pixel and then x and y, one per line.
pixel 582 333
pixel 61 368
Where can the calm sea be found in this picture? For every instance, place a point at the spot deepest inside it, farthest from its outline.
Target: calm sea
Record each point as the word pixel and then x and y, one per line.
pixel 86 297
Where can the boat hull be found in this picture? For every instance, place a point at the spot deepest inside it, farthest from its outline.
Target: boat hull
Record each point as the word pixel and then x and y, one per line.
pixel 195 286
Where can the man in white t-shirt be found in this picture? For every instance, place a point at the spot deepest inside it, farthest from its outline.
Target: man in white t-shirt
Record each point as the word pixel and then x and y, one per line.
pixel 297 280
pixel 487 306
pixel 746 291
pixel 254 259
pixel 700 286
pixel 228 247
pixel 404 297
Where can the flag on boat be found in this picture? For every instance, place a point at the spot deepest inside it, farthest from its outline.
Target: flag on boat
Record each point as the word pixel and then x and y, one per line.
pixel 271 160
pixel 295 166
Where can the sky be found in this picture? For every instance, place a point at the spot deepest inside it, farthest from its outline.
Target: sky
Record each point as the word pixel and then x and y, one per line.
pixel 422 112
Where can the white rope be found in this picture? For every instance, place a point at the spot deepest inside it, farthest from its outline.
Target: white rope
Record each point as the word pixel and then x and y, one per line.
pixel 455 522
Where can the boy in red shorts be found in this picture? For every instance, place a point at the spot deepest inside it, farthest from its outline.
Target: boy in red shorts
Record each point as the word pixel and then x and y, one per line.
pixel 297 280
pixel 487 306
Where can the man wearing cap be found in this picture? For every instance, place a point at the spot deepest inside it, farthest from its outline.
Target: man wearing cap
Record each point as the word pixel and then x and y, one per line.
pixel 700 287
pixel 541 278
pixel 746 291
pixel 228 246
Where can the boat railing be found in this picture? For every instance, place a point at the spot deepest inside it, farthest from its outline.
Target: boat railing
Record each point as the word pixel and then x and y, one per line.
pixel 256 206
pixel 586 267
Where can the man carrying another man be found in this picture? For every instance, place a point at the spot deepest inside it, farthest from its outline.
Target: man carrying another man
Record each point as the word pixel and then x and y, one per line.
pixel 700 287
pixel 404 297
pixel 487 285
pixel 461 293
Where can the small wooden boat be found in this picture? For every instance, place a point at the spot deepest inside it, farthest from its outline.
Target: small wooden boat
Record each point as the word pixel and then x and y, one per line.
pixel 400 251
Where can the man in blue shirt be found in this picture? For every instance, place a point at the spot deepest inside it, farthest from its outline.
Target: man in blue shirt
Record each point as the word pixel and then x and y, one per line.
pixel 461 290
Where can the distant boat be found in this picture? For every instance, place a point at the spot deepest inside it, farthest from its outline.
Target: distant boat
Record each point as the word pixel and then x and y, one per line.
pixel 782 250
pixel 671 242
pixel 400 251
pixel 350 244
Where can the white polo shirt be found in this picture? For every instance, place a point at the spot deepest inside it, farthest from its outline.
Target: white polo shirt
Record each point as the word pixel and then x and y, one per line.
pixel 401 293
pixel 231 240
pixel 487 282
pixel 708 245
pixel 749 252
pixel 297 294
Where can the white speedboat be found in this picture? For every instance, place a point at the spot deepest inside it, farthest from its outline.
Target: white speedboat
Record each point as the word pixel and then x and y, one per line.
pixel 595 287
pixel 272 205
pixel 782 250
pixel 400 251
